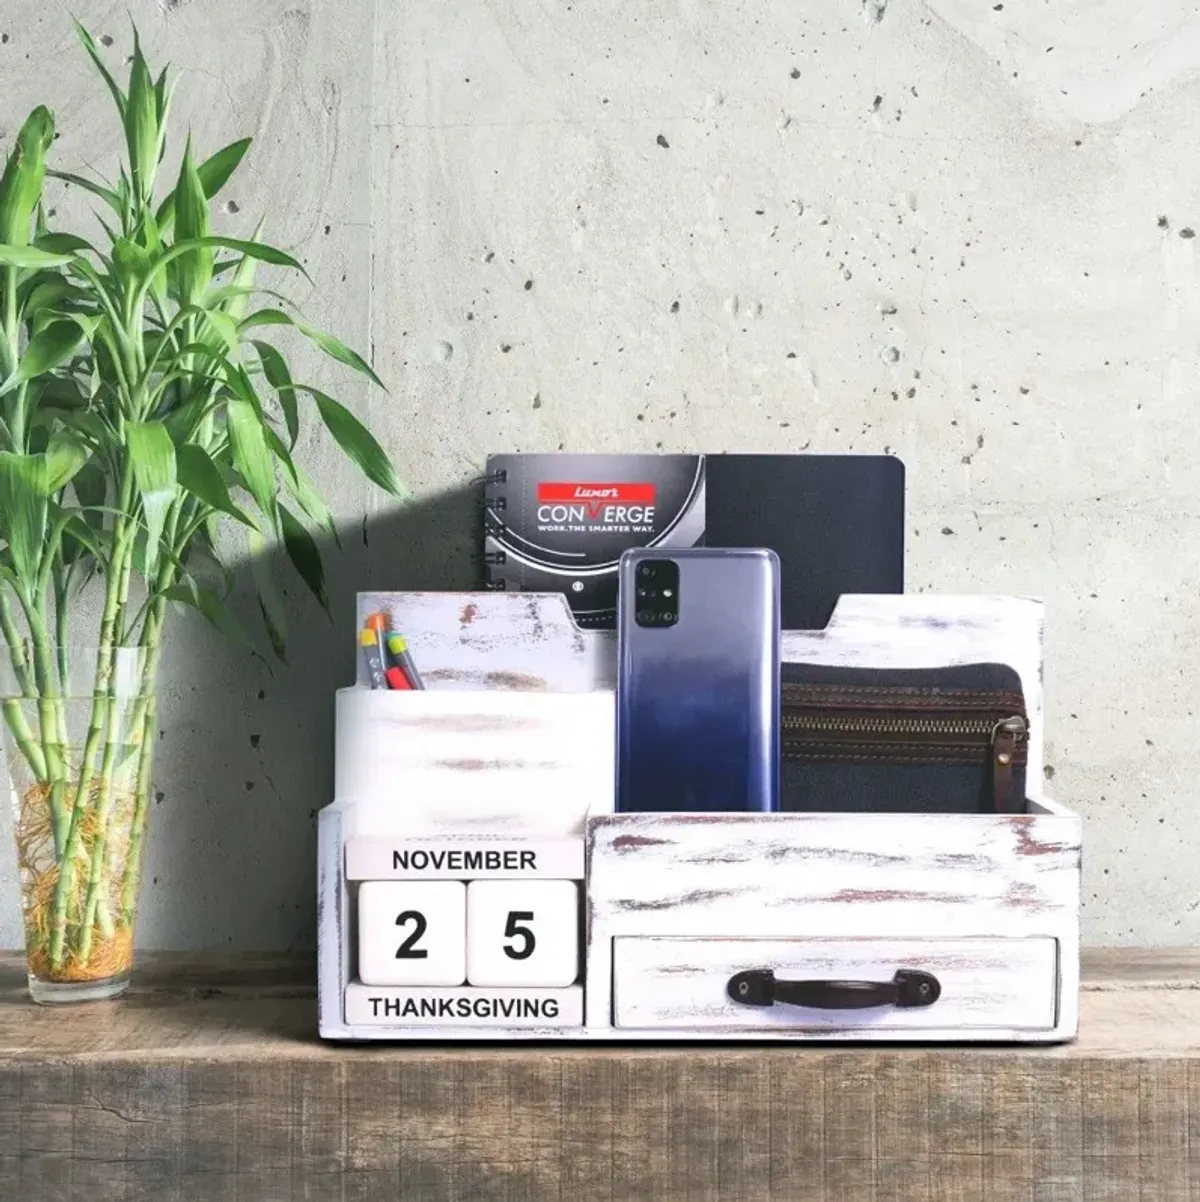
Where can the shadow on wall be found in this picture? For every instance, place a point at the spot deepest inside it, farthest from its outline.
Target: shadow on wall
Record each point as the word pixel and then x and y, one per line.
pixel 245 758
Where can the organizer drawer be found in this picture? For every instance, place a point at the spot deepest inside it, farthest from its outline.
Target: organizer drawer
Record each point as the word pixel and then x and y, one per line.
pixel 1006 984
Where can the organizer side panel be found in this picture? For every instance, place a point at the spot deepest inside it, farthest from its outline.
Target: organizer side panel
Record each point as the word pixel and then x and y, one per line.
pixel 333 924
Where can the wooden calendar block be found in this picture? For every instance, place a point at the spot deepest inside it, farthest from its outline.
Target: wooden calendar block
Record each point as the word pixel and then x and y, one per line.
pixel 522 933
pixel 412 932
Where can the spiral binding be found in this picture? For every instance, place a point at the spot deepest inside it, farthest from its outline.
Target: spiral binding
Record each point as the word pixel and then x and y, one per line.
pixel 497 477
pixel 493 527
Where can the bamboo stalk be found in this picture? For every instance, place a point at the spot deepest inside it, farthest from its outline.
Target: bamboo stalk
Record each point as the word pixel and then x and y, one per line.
pixel 51 720
pixel 151 642
pixel 14 714
pixel 96 907
pixel 133 857
pixel 14 718
pixel 118 577
pixel 95 878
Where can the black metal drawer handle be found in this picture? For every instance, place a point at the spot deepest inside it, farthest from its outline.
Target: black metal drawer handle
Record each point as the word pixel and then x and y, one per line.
pixel 909 987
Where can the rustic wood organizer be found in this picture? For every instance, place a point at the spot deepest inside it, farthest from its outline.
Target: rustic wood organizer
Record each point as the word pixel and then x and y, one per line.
pixel 510 749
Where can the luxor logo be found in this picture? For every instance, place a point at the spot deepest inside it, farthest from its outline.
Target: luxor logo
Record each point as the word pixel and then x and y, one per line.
pixel 594 496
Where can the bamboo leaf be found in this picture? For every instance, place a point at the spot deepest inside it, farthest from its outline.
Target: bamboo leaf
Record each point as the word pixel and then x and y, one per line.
pixel 243 279
pixel 24 485
pixel 29 256
pixel 301 489
pixel 265 317
pixel 62 244
pixel 270 600
pixel 86 537
pixel 337 349
pixel 141 126
pixel 275 368
pixel 94 54
pixel 193 270
pixel 53 291
pixel 163 94
pixel 91 491
pixel 87 322
pixel 132 260
pixel 46 350
pixel 356 440
pixel 256 250
pixel 105 193
pixel 202 561
pixel 305 555
pixel 250 454
pixel 24 174
pixel 188 592
pixel 214 173
pixel 66 454
pixel 202 478
pixel 152 454
pixel 225 329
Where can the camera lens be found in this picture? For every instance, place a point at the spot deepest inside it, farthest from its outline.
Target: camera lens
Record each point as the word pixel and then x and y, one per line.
pixel 668 616
pixel 648 571
pixel 643 615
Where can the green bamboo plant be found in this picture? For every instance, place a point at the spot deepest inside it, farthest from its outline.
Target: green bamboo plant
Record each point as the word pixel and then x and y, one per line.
pixel 142 403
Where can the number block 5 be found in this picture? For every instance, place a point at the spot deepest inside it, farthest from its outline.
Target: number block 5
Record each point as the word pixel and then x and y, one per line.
pixel 522 933
pixel 412 932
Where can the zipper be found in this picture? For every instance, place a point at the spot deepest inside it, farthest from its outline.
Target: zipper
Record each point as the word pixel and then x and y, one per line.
pixel 844 733
pixel 1009 737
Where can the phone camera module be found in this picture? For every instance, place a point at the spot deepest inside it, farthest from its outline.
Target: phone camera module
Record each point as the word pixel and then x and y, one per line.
pixel 657 594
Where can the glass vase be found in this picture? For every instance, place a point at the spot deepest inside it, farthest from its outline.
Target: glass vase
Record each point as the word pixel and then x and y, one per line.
pixel 78 738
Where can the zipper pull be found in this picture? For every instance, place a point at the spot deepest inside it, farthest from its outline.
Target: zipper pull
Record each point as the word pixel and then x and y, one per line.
pixel 1005 737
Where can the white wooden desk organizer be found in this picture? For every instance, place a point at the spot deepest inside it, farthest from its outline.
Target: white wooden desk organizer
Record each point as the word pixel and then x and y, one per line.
pixel 475 883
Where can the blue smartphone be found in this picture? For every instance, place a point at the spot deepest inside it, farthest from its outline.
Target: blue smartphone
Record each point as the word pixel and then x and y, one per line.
pixel 698 680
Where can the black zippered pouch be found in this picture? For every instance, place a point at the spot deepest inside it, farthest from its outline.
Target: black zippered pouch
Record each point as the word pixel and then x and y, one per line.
pixel 903 740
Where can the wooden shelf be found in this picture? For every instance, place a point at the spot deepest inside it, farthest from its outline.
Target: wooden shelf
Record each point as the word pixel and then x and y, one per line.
pixel 207 1082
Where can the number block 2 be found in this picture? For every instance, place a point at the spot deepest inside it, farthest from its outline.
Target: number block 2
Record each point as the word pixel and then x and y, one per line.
pixel 522 933
pixel 412 932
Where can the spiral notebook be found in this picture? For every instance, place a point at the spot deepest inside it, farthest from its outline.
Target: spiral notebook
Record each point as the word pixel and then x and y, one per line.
pixel 559 522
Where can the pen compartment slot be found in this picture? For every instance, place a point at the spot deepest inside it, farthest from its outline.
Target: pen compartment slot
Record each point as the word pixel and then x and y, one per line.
pixel 476 760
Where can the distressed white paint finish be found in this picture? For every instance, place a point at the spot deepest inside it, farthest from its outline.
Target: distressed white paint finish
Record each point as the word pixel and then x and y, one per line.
pixel 483 857
pixel 459 762
pixel 534 1013
pixel 525 642
pixel 333 922
pixel 903 877
pixel 529 641
pixel 839 876
pixel 986 984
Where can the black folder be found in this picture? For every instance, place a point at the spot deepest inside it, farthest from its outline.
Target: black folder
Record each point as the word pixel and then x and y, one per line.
pixel 835 521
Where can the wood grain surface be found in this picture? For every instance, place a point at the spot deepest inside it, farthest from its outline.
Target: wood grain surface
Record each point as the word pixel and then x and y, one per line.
pixel 207 1083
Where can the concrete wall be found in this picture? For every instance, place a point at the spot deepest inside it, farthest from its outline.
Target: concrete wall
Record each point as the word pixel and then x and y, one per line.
pixel 959 231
